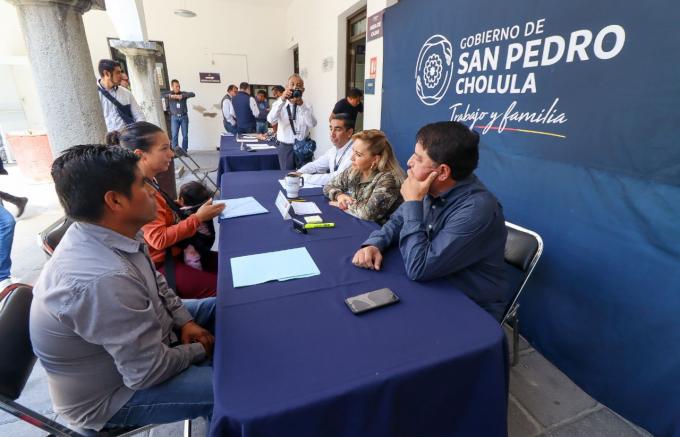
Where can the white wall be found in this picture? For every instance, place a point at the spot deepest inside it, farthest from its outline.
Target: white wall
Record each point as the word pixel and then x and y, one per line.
pixel 224 37
pixel 319 30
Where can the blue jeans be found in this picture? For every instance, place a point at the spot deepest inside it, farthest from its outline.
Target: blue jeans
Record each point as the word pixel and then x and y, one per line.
pixel 6 237
pixel 187 395
pixel 261 127
pixel 177 121
pixel 229 127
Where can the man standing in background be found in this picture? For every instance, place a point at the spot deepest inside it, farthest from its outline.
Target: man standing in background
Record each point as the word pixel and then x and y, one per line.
pixel 229 119
pixel 179 115
pixel 351 104
pixel 245 109
pixel 119 106
pixel 263 107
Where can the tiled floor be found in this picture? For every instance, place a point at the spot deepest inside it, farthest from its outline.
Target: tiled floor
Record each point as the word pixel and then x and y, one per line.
pixel 543 401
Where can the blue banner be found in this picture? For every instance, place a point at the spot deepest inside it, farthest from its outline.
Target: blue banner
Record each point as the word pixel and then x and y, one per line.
pixel 577 107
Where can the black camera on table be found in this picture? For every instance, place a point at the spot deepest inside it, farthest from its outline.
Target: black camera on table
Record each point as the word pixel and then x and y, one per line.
pixel 296 93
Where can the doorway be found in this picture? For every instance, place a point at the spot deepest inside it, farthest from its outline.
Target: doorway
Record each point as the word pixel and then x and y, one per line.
pixel 356 56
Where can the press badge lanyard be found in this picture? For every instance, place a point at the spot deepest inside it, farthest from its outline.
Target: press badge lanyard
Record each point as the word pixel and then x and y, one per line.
pixel 338 161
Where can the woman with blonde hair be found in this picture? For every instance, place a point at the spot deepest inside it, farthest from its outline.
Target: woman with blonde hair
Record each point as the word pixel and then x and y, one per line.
pixel 369 189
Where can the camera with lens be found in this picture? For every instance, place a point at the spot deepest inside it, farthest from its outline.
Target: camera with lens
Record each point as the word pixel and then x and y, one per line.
pixel 296 93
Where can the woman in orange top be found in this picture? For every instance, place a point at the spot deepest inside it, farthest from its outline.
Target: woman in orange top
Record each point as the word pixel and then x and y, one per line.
pixel 152 145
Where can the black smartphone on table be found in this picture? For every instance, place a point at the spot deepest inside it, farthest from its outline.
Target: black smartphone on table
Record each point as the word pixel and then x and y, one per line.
pixel 369 301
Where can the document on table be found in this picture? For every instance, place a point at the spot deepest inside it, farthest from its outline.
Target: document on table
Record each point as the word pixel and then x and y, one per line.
pixel 247 140
pixel 281 265
pixel 261 146
pixel 283 184
pixel 305 208
pixel 240 207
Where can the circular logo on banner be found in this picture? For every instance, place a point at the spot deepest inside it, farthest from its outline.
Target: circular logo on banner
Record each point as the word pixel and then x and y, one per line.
pixel 434 69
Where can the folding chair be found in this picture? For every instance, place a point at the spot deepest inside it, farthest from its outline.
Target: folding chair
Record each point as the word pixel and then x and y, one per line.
pixel 523 248
pixel 201 174
pixel 17 361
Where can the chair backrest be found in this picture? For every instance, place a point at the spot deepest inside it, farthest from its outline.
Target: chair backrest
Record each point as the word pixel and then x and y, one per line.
pixel 16 354
pixel 51 236
pixel 523 249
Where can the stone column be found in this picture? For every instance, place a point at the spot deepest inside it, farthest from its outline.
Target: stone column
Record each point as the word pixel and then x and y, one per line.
pixel 60 59
pixel 141 64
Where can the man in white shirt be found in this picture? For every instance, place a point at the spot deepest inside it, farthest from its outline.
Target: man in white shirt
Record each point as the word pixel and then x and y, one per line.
pixel 294 117
pixel 228 110
pixel 336 159
pixel 118 104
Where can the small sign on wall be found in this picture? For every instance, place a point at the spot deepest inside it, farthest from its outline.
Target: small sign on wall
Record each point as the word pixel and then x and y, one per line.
pixel 369 86
pixel 375 26
pixel 209 77
pixel 373 68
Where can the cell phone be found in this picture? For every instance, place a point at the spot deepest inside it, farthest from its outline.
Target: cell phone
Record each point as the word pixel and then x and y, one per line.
pixel 371 300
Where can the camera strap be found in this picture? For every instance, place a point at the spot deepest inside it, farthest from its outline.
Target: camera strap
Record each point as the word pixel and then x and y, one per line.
pixel 292 117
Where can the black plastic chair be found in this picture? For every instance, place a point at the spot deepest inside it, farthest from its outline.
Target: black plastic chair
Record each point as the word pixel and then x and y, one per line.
pixel 17 361
pixel 523 249
pixel 52 235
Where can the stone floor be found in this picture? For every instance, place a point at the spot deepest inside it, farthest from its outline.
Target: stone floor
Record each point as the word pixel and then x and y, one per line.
pixel 543 401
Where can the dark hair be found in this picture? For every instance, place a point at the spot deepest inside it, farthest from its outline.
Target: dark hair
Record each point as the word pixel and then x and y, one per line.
pixel 354 93
pixel 84 174
pixel 231 87
pixel 138 135
pixel 278 88
pixel 194 193
pixel 244 86
pixel 174 81
pixel 453 144
pixel 347 121
pixel 107 65
pixel 263 92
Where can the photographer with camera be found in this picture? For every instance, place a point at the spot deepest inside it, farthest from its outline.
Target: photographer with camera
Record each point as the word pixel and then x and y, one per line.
pixel 295 118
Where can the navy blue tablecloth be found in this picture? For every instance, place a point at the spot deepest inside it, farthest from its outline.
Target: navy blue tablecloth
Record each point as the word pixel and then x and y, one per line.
pixel 292 360
pixel 232 158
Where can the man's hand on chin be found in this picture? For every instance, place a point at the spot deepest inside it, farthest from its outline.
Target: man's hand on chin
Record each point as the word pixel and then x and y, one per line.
pixel 413 189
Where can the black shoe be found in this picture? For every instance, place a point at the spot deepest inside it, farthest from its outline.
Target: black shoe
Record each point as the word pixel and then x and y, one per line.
pixel 21 205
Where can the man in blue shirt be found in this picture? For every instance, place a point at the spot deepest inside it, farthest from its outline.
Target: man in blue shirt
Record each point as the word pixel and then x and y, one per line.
pixel 263 106
pixel 449 225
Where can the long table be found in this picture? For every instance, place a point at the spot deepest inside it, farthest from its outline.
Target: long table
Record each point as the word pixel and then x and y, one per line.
pixel 232 158
pixel 292 360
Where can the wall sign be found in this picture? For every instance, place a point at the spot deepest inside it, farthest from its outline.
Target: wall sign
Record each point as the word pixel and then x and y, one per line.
pixel 375 26
pixel 209 77
pixel 369 86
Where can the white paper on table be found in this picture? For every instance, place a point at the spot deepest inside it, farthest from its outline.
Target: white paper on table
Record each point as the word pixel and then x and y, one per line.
pixel 240 207
pixel 305 208
pixel 283 184
pixel 246 140
pixel 261 146
pixel 283 205
pixel 281 265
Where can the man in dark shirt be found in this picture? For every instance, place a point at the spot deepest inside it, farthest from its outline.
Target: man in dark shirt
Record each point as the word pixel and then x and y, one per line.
pixel 179 116
pixel 352 104
pixel 449 225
